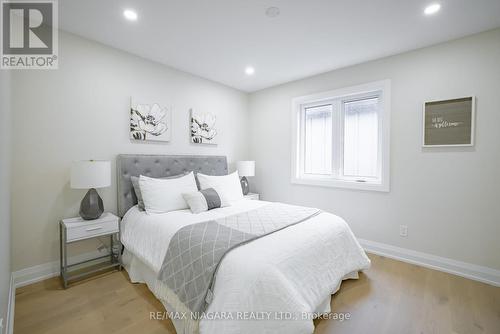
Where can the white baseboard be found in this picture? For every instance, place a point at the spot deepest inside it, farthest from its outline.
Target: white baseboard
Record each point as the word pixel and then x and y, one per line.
pixel 9 321
pixel 468 270
pixel 45 271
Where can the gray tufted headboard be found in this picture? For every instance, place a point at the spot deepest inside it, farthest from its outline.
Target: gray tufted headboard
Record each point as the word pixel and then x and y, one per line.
pixel 128 165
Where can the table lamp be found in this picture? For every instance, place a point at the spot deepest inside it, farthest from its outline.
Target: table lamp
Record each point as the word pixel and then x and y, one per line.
pixel 245 168
pixel 91 174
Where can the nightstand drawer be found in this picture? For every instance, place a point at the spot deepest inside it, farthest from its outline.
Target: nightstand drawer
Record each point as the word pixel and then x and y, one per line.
pixel 90 230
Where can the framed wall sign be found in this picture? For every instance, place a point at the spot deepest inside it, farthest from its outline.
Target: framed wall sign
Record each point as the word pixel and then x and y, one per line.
pixel 449 122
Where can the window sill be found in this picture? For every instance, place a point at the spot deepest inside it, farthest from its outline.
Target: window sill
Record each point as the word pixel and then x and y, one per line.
pixel 345 184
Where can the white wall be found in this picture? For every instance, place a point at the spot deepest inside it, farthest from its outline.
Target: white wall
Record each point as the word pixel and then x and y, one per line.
pixel 4 193
pixel 81 111
pixel 449 198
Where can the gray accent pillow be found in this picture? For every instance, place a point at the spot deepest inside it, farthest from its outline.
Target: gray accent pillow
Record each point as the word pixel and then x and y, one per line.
pixel 137 188
pixel 203 200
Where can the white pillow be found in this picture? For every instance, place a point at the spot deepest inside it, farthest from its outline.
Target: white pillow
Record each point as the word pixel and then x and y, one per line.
pixel 164 195
pixel 227 186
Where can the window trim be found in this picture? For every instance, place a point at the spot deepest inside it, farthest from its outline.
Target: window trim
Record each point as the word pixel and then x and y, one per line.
pixel 383 88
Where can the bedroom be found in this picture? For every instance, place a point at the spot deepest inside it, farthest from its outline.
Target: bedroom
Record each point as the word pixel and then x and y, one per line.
pixel 276 91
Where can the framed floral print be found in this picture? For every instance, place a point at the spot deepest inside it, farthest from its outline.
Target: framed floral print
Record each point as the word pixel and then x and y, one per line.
pixel 203 128
pixel 150 121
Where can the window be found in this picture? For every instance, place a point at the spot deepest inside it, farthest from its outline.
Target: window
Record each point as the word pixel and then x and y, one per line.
pixel 342 138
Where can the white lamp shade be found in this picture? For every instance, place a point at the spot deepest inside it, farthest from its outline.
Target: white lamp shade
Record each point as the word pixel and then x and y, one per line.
pixel 246 168
pixel 90 174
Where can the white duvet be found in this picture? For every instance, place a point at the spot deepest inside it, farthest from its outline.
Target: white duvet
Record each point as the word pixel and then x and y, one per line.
pixel 280 278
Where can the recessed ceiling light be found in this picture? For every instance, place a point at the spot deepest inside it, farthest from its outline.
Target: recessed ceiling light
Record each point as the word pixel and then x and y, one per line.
pixel 130 14
pixel 272 11
pixel 432 9
pixel 249 70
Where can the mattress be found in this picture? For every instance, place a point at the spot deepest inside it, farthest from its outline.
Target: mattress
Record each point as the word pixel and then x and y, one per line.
pixel 284 277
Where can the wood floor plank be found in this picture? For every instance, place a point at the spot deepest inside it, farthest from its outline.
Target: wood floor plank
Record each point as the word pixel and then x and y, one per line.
pixel 390 297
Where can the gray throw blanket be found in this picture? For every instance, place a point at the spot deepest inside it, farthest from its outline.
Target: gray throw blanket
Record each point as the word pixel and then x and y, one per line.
pixel 196 251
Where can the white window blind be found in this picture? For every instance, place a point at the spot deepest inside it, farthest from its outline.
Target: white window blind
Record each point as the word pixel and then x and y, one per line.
pixel 318 140
pixel 361 138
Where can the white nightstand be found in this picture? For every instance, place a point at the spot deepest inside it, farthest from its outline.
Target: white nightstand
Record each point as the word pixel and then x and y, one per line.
pixel 252 196
pixel 76 229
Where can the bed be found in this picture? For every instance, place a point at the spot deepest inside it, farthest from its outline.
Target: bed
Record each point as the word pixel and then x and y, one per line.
pixel 275 284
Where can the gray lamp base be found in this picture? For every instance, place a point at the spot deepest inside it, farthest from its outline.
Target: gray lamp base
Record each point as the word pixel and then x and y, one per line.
pixel 245 187
pixel 91 206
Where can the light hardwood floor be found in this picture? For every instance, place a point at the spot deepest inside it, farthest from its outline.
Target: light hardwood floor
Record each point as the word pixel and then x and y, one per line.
pixel 390 297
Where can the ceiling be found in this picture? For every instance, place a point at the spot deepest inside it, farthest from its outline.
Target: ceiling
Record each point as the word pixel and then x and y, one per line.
pixel 217 39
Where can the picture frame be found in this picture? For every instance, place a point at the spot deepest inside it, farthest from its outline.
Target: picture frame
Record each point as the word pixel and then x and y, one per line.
pixel 150 120
pixel 203 127
pixel 449 122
